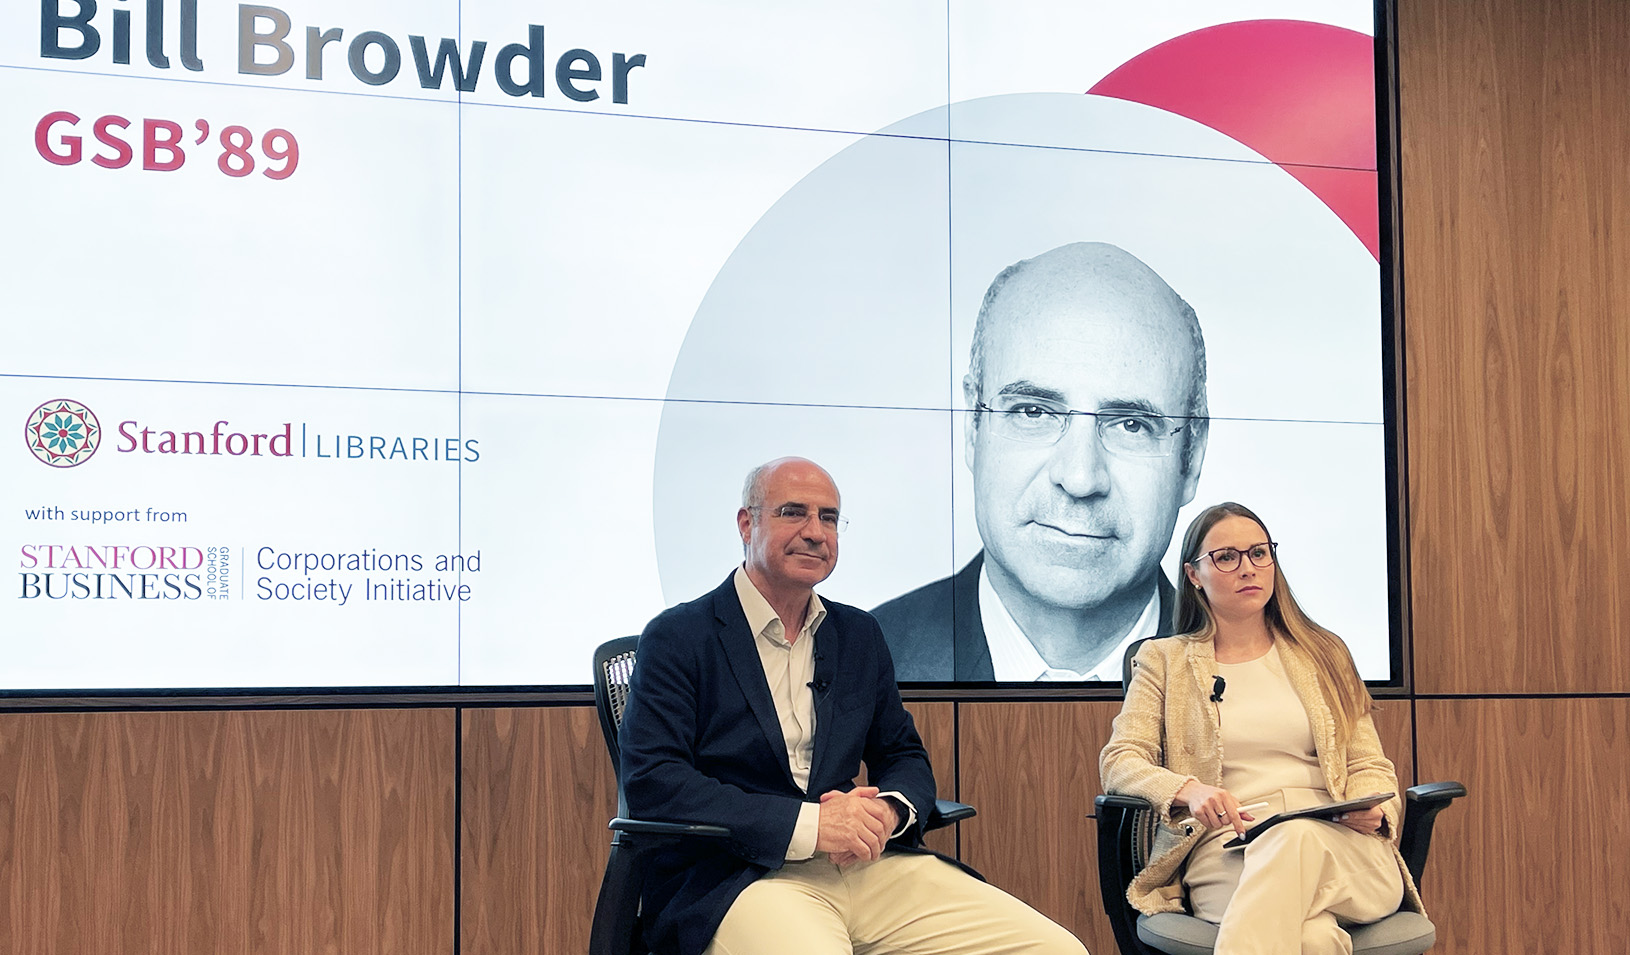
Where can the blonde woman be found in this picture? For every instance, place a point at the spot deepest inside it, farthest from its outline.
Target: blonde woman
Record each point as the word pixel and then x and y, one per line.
pixel 1253 710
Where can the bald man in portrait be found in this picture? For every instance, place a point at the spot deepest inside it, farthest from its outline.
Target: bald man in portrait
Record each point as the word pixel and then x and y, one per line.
pixel 1086 386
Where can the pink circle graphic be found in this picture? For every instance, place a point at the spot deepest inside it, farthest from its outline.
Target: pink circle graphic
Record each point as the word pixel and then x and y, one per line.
pixel 1301 94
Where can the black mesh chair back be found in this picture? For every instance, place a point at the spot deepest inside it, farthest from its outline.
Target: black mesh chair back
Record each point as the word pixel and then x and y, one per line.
pixel 616 926
pixel 613 667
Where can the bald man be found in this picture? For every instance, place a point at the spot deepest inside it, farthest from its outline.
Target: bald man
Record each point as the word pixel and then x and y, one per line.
pixel 1086 385
pixel 753 707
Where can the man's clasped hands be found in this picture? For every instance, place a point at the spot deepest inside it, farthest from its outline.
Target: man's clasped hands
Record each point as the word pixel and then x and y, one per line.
pixel 855 825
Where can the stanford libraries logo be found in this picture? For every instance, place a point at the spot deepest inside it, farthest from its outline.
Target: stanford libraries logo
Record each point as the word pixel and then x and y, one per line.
pixel 63 433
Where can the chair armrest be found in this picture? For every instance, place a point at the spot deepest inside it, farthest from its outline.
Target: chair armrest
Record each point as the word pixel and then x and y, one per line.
pixel 1435 793
pixel 946 812
pixel 1121 804
pixel 1119 818
pixel 645 827
pixel 617 908
pixel 1423 803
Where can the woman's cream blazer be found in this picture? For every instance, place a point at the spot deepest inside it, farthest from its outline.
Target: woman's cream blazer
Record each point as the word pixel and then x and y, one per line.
pixel 1167 733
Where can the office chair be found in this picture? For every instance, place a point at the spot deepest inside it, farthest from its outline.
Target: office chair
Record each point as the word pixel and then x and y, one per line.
pixel 616 930
pixel 1126 826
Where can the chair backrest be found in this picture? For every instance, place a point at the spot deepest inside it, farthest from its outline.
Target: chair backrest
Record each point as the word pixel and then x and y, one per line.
pixel 1126 662
pixel 613 666
pixel 616 926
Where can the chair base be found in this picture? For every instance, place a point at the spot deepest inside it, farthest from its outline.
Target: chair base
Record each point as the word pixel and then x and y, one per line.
pixel 1401 933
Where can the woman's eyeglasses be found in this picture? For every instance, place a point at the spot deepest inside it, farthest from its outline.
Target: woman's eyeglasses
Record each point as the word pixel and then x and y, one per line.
pixel 1227 559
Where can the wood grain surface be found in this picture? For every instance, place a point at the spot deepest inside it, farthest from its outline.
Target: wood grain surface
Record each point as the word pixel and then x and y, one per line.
pixel 1394 723
pixel 226 833
pixel 1032 769
pixel 1516 158
pixel 1533 860
pixel 538 790
pixel 936 724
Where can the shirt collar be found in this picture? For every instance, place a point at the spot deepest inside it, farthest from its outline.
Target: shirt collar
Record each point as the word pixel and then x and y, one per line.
pixel 1014 658
pixel 761 617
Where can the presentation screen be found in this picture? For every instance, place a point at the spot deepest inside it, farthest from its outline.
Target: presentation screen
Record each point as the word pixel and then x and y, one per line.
pixel 426 344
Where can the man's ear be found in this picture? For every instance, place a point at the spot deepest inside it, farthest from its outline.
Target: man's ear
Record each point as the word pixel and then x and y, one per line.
pixel 1194 456
pixel 744 524
pixel 970 425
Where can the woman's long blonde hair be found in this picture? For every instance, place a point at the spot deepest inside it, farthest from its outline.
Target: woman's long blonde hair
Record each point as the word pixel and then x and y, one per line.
pixel 1349 699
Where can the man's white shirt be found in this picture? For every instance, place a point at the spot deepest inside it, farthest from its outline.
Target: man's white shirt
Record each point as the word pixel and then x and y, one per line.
pixel 1014 658
pixel 789 667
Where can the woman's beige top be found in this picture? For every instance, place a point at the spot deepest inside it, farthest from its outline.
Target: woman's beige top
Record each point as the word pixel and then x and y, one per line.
pixel 1267 741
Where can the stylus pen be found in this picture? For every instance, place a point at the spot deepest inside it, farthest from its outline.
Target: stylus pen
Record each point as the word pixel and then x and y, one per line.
pixel 1252 807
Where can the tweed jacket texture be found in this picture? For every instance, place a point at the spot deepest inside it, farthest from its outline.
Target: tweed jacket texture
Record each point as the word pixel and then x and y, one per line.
pixel 1167 733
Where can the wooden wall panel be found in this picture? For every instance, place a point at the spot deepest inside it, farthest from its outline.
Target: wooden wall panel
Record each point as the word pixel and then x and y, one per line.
pixel 538 790
pixel 1532 861
pixel 1516 154
pixel 537 793
pixel 1032 769
pixel 1394 723
pixel 936 724
pixel 219 833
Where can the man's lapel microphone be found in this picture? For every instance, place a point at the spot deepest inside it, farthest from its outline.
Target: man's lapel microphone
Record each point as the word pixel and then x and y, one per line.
pixel 823 677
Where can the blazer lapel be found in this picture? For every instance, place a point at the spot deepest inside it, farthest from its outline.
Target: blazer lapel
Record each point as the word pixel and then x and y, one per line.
pixel 1167 596
pixel 1305 681
pixel 970 649
pixel 1202 662
pixel 828 651
pixel 742 654
pixel 1202 657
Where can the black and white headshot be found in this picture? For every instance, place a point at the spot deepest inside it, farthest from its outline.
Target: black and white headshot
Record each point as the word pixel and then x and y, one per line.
pixel 1086 393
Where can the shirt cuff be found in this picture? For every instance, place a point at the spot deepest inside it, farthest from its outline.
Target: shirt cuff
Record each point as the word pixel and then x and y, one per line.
pixel 804 832
pixel 910 817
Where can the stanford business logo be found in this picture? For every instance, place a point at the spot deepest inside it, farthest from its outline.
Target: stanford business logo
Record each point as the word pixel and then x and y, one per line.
pixel 63 433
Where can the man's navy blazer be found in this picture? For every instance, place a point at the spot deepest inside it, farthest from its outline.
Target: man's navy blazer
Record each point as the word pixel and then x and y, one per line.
pixel 935 632
pixel 701 743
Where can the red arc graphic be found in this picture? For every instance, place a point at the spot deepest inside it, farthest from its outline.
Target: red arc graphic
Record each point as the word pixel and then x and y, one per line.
pixel 1301 94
